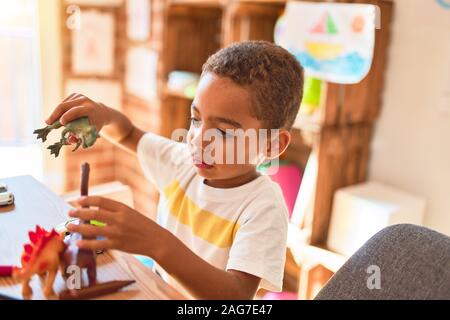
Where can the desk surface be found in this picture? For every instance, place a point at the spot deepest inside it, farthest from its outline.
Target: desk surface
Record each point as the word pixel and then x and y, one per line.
pixel 36 204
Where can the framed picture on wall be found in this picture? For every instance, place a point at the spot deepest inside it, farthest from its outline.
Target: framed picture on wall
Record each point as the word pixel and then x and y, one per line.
pixel 93 44
pixel 99 3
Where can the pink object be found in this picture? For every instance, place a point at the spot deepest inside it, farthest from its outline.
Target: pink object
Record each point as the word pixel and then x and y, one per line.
pixel 280 296
pixel 289 178
pixel 6 271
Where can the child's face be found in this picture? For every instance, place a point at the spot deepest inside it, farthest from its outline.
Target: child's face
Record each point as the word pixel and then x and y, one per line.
pixel 222 105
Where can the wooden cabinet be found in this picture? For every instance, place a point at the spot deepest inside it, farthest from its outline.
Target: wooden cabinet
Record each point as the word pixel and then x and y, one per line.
pixel 340 137
pixel 194 30
pixel 340 133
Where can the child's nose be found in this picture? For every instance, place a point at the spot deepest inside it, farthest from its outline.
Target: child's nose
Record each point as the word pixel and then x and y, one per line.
pixel 197 138
pixel 201 138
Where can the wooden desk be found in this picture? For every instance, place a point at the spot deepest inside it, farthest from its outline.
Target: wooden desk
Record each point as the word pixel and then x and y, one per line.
pixel 36 204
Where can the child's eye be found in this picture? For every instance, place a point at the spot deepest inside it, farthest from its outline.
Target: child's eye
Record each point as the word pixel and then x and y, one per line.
pixel 225 133
pixel 194 122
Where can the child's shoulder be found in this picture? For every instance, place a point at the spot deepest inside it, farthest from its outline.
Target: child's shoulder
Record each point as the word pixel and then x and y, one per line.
pixel 266 198
pixel 268 188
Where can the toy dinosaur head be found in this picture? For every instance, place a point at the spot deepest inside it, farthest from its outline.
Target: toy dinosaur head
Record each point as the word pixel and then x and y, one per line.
pixel 80 131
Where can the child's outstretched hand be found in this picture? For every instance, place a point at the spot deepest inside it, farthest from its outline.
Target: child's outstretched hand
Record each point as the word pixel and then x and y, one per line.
pixel 126 229
pixel 117 128
pixel 76 106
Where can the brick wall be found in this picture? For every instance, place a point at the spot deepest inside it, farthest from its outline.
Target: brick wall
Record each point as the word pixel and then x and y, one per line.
pixel 110 163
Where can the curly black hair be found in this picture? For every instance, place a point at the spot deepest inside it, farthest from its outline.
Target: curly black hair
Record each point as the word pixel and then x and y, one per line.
pixel 273 76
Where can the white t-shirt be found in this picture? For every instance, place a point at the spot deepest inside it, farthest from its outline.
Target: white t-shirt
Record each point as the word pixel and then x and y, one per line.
pixel 242 228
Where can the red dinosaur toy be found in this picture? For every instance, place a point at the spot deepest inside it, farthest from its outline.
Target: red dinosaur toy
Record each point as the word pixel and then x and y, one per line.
pixel 41 256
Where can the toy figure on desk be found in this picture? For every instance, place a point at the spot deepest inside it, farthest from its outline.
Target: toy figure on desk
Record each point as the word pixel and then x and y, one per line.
pixel 41 256
pixel 78 132
pixel 49 250
pixel 85 259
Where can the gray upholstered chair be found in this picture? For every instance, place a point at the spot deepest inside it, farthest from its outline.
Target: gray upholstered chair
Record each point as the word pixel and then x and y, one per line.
pixel 412 262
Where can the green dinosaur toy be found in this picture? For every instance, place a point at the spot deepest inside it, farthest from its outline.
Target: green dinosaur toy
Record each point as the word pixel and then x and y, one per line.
pixel 78 132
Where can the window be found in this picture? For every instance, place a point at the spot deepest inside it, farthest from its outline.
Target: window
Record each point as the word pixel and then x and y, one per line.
pixel 20 101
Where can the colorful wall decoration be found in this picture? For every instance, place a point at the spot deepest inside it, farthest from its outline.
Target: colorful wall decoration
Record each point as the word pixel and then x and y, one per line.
pixel 444 3
pixel 333 41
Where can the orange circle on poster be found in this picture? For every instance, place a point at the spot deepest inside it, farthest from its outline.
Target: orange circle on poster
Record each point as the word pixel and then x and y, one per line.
pixel 358 24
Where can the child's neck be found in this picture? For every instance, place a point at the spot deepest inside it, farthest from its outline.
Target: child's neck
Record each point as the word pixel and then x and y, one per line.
pixel 233 182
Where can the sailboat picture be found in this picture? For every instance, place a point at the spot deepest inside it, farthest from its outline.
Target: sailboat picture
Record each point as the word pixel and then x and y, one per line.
pixel 324 49
pixel 333 41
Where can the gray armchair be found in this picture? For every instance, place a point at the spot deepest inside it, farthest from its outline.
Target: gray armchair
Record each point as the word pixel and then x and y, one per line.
pixel 411 262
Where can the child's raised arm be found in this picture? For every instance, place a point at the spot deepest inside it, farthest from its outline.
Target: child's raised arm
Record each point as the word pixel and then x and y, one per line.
pixel 112 124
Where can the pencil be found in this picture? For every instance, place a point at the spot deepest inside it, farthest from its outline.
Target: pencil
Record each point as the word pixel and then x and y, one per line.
pixel 84 185
pixel 94 291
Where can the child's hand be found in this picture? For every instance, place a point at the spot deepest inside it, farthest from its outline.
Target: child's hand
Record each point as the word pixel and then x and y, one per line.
pixel 76 106
pixel 126 229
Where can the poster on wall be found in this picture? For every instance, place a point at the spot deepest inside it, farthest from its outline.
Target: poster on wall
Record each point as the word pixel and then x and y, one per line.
pixel 333 41
pixel 139 21
pixel 108 92
pixel 141 73
pixel 93 44
pixel 98 3
pixel 444 4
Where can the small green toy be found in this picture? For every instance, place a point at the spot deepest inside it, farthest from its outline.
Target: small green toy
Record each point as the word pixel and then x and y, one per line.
pixel 78 132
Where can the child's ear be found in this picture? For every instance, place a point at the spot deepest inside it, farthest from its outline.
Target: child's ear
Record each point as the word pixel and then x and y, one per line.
pixel 278 143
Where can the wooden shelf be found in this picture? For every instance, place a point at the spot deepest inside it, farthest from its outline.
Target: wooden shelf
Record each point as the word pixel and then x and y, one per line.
pixel 194 34
pixel 198 3
pixel 176 94
pixel 221 3
pixel 320 255
pixel 307 123
pixel 319 265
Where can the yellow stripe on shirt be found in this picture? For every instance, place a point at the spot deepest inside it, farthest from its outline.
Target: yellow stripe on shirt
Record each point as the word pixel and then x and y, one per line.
pixel 204 224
